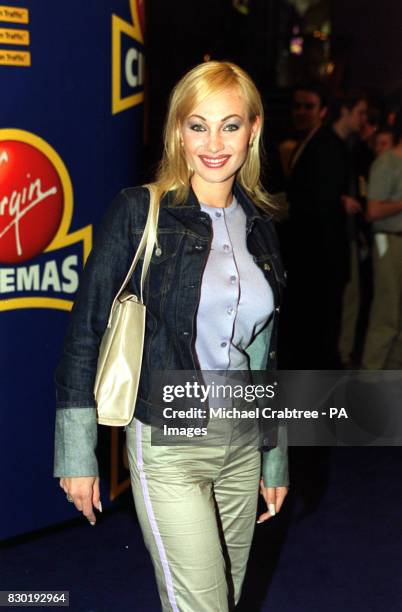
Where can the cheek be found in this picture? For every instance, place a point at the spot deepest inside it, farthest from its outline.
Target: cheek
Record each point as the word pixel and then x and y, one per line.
pixel 192 142
pixel 239 143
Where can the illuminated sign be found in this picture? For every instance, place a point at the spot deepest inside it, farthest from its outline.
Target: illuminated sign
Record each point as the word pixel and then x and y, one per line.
pixel 128 59
pixel 40 260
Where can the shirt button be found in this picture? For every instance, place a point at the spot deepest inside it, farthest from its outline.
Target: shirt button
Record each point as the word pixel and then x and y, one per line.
pixel 223 344
pixel 272 354
pixel 267 266
pixel 218 214
pixel 226 248
pixel 233 279
pixel 230 310
pixel 277 309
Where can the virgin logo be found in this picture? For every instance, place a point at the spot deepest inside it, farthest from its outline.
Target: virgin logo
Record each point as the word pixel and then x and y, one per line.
pixel 31 202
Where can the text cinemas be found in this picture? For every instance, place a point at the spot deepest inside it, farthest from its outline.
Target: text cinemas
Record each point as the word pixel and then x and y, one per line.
pixel 59 277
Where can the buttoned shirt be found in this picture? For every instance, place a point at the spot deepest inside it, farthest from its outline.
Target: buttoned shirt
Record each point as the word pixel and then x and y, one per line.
pixel 236 301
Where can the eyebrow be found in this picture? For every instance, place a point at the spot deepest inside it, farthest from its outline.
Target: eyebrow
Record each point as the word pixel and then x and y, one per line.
pixel 222 120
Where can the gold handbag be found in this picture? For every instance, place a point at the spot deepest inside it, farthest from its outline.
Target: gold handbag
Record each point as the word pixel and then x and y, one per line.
pixel 120 353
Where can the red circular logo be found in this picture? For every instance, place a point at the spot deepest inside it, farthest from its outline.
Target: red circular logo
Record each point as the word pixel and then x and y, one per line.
pixel 31 201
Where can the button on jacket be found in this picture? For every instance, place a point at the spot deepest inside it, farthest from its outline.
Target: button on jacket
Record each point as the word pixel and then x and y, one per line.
pixel 171 293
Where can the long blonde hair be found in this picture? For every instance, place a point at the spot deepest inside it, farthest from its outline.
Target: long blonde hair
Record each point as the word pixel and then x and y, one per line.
pixel 202 81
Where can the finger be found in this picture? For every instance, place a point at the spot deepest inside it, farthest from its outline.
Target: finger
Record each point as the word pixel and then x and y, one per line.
pixel 264 517
pixel 88 511
pixel 281 493
pixel 270 495
pixel 279 502
pixel 96 496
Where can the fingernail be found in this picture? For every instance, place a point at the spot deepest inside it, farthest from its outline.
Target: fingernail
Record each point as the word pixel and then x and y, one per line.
pixel 258 522
pixel 271 508
pixel 100 506
pixel 90 522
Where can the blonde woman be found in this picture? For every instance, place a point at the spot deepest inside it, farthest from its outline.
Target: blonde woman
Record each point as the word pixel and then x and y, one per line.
pixel 212 296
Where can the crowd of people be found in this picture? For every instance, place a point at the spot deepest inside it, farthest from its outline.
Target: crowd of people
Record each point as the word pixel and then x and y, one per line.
pixel 342 237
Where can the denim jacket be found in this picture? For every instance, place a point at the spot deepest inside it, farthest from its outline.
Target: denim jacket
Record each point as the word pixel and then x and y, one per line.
pixel 171 293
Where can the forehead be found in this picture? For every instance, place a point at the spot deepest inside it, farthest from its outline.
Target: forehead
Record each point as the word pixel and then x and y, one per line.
pixel 384 136
pixel 221 104
pixel 308 97
pixel 360 106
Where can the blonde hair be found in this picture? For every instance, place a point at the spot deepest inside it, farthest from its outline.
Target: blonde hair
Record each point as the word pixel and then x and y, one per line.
pixel 202 81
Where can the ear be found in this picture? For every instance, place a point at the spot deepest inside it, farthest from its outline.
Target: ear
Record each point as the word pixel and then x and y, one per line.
pixel 255 127
pixel 179 134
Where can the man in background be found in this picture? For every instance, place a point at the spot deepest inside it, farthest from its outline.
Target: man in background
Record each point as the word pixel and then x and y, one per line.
pixel 350 116
pixel 383 347
pixel 315 238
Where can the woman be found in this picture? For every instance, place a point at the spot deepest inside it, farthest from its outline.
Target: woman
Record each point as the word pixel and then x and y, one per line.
pixel 212 298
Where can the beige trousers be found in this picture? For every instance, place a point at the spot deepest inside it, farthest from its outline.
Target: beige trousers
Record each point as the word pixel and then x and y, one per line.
pixel 383 346
pixel 196 506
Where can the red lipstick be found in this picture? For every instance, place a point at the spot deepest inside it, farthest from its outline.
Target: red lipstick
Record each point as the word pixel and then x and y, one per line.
pixel 214 162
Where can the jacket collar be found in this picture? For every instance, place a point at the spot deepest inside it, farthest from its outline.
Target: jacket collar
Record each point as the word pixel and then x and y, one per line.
pixel 192 204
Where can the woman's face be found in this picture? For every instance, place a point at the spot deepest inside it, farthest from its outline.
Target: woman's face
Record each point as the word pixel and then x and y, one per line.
pixel 216 137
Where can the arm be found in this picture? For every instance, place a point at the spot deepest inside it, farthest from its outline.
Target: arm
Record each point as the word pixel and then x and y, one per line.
pixel 380 209
pixel 275 476
pixel 75 460
pixel 76 425
pixel 379 204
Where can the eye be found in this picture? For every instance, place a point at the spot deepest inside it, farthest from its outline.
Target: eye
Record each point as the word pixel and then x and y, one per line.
pixel 197 127
pixel 231 127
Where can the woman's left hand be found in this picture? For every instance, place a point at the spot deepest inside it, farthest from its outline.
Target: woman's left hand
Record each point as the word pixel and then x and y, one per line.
pixel 274 497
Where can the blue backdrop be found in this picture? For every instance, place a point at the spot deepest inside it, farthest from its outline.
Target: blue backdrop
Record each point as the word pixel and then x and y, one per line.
pixel 71 111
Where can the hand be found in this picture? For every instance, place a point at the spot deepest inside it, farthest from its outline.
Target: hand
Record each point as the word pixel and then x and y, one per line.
pixel 351 205
pixel 84 491
pixel 272 495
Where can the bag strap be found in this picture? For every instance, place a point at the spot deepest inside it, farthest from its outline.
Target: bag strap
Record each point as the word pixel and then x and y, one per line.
pixel 147 243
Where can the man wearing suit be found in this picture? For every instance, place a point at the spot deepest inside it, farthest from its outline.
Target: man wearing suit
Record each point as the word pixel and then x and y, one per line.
pixel 315 240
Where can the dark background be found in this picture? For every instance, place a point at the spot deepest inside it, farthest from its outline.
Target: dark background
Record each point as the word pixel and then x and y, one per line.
pixel 363 49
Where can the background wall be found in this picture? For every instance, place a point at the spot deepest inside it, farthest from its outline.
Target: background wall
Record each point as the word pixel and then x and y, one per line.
pixel 70 138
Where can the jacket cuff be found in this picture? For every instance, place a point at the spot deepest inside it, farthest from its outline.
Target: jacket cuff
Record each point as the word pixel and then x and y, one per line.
pixel 275 471
pixel 76 435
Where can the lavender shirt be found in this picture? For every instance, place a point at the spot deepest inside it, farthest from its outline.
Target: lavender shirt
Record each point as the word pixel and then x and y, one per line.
pixel 236 301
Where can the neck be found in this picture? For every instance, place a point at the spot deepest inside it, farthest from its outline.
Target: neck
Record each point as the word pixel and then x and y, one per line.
pixel 341 129
pixel 219 195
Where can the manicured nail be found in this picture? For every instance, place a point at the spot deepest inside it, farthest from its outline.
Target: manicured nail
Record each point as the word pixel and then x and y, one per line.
pixel 90 522
pixel 100 506
pixel 271 508
pixel 259 522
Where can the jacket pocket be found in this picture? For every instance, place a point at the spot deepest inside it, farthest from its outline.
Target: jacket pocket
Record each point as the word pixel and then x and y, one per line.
pixel 164 263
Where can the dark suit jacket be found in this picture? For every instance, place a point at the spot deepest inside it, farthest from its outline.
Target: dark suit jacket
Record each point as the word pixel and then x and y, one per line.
pixel 316 229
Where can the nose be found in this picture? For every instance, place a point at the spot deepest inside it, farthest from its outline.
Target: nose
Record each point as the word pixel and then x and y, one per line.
pixel 215 143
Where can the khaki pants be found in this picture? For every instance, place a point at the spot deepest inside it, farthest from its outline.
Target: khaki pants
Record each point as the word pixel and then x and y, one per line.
pixel 383 347
pixel 197 509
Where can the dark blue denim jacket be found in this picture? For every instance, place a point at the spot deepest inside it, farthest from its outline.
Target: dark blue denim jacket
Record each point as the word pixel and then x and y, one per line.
pixel 171 293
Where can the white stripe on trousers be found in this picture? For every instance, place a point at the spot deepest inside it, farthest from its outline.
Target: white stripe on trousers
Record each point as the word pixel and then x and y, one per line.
pixel 152 520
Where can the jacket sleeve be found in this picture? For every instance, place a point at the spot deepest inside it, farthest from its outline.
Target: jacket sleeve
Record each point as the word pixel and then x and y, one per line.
pixel 75 443
pixel 275 471
pixel 104 272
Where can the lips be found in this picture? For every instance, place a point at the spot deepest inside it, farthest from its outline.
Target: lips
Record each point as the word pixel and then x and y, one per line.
pixel 214 162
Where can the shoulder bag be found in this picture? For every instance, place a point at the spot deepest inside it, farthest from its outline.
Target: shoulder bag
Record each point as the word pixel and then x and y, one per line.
pixel 120 353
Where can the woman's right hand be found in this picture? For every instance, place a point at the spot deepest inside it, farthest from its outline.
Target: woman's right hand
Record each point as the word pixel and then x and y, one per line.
pixel 84 492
